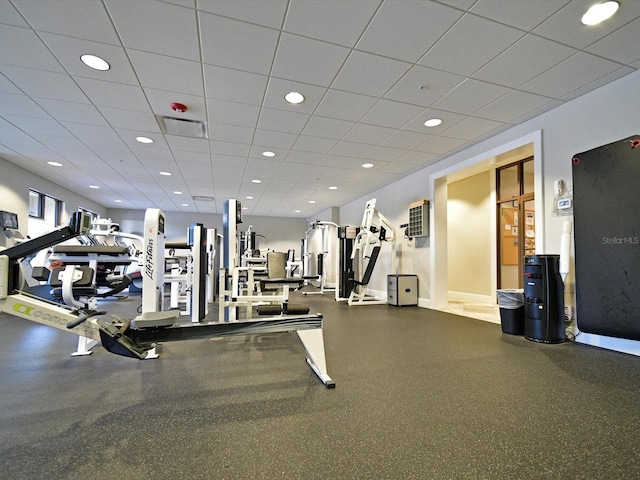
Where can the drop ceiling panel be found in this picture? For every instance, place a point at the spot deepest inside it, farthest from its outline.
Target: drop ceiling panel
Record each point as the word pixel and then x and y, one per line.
pixel 621 45
pixel 270 14
pixel 235 36
pixel 471 43
pixel 334 21
pixel 384 153
pixel 307 158
pixel 345 105
pixel 470 96
pixel 352 149
pixel 571 74
pixel 185 146
pixel 10 15
pixel 7 87
pixel 472 127
pixel 16 40
pixel 72 112
pixel 38 83
pixel 523 14
pixel 38 126
pixel 369 74
pixel 138 121
pixel 423 86
pixel 597 83
pixel 274 140
pixel 114 95
pixel 416 157
pixel 367 134
pixel 157 27
pixel 21 105
pixel 421 23
pixel 168 73
pixel 306 60
pixel 327 127
pixel 513 105
pixel 234 85
pixel 65 18
pixel 230 149
pixel 282 121
pixel 528 57
pixel 313 144
pixel 392 114
pixel 440 145
pixel 220 111
pixel 405 140
pixel 230 133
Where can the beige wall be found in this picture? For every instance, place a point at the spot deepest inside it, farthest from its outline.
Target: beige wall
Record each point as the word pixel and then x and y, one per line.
pixel 469 235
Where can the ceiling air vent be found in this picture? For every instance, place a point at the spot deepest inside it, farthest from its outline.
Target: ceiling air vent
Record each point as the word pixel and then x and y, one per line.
pixel 182 127
pixel 202 198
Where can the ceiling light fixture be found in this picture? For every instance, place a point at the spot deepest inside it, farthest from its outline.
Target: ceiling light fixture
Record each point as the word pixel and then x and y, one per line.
pixel 118 201
pixel 95 187
pixel 294 97
pixel 367 165
pixel 55 164
pixel 333 188
pixel 312 201
pixel 144 140
pixel 296 211
pixel 249 198
pixel 94 62
pixel 433 122
pixel 255 180
pixel 177 193
pixel 268 154
pixel 600 12
pixel 166 174
pixel 185 204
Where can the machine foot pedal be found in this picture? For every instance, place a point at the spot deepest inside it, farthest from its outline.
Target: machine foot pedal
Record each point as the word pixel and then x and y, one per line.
pixel 115 342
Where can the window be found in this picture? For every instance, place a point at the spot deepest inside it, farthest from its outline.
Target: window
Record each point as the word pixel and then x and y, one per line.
pixel 45 207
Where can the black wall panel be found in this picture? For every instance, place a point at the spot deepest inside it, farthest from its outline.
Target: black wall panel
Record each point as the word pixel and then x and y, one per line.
pixel 606 192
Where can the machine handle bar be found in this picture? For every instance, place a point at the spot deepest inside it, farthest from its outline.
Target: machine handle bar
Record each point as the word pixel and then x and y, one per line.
pixel 84 317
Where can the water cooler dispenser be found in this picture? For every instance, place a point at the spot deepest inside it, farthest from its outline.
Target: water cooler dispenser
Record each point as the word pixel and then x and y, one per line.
pixel 544 299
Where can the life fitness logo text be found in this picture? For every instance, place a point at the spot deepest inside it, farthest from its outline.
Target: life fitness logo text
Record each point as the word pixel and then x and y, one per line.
pixel 148 258
pixel 620 240
pixel 32 312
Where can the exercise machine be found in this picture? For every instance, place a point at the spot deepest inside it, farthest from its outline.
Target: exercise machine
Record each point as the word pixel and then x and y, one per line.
pixel 137 338
pixel 374 230
pixel 322 262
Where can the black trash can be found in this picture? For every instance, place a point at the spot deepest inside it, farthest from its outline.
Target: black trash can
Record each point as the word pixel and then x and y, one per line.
pixel 511 303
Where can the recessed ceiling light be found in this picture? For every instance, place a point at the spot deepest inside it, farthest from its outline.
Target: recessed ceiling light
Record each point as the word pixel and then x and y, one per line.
pixel 600 12
pixel 185 204
pixel 245 208
pixel 294 97
pixel 256 181
pixel 433 122
pixel 95 187
pixel 118 201
pixel 296 211
pixel 166 174
pixel 268 154
pixel 312 201
pixel 94 62
pixel 144 140
pixel 55 164
pixel 249 198
pixel 333 188
pixel 367 165
pixel 177 193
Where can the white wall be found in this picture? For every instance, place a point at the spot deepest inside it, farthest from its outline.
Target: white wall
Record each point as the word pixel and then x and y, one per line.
pixel 15 183
pixel 599 117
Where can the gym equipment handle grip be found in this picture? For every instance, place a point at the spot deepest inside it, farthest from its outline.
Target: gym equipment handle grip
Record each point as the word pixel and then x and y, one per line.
pixel 83 318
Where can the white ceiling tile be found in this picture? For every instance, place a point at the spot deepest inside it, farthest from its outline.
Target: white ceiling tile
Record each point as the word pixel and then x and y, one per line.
pixel 245 46
pixel 221 111
pixel 471 43
pixel 7 87
pixel 345 105
pixel 168 73
pixel 38 126
pixel 21 105
pixel 336 161
pixel 472 127
pixel 421 23
pixel 16 40
pixel 66 18
pixel 528 57
pixel 314 144
pixel 440 145
pixel 230 133
pixel 193 158
pixel 277 88
pixel 405 140
pixel 188 144
pixel 384 153
pixel 391 114
pixel 369 74
pixel 293 168
pixel 72 112
pixel 230 149
pixel 10 15
pixel 38 83
pixel 398 168
pixel 270 14
pixel 327 127
pixel 334 21
pixel 279 140
pixel 470 96
pixel 306 60
pixel 234 85
pixel 571 74
pixel 621 45
pixel 581 35
pixel 352 149
pixel 127 119
pixel 513 105
pixel 369 134
pixel 416 157
pixel 423 86
pixel 523 14
pixel 621 72
pixel 115 95
pixel 282 121
pixel 307 158
pixel 156 27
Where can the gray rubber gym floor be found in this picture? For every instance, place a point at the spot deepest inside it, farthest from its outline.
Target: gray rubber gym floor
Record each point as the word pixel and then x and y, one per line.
pixel 420 394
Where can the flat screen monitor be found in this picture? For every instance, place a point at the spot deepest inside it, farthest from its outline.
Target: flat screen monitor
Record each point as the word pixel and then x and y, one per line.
pixel 9 220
